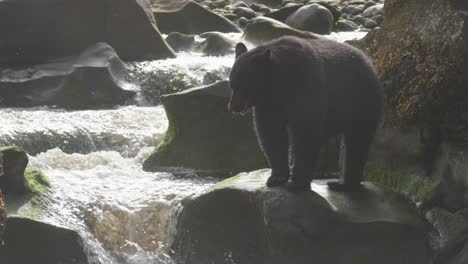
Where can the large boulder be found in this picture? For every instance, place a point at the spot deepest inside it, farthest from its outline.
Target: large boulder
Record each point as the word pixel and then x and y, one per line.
pixel 193 19
pixel 242 221
pixel 264 29
pixel 420 52
pixel 34 32
pixel 13 162
pixel 314 18
pixel 28 241
pixel 94 79
pixel 203 134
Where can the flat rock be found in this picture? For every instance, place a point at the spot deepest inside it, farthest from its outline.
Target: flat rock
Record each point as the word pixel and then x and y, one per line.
pixel 243 220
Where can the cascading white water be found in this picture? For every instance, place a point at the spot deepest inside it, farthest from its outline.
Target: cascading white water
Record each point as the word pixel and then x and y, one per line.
pixel 93 159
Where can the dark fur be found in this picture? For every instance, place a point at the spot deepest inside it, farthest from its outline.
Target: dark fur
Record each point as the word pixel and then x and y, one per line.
pixel 302 93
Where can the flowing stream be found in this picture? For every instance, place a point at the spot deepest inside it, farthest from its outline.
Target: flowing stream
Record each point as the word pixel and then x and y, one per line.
pixel 93 159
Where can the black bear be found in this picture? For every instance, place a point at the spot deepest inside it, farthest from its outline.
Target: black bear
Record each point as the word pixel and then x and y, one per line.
pixel 302 92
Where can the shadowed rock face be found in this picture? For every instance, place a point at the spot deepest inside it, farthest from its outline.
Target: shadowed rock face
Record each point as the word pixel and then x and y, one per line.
pixel 34 32
pixel 244 221
pixel 13 162
pixel 92 80
pixel 28 241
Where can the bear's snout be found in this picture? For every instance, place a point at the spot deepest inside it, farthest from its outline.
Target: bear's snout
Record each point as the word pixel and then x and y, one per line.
pixel 237 107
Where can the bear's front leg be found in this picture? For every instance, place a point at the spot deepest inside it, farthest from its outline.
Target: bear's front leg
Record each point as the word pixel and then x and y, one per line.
pixel 270 128
pixel 305 149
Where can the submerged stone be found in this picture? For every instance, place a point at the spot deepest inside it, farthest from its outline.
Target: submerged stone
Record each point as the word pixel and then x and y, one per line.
pixel 243 220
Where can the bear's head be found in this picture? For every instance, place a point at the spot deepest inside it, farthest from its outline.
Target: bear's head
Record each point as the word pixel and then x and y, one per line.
pixel 249 78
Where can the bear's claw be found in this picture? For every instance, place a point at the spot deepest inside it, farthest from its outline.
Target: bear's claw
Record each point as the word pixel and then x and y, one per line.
pixel 276 181
pixel 297 187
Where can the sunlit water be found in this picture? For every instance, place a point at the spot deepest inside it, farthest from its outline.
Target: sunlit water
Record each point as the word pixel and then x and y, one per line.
pixel 93 159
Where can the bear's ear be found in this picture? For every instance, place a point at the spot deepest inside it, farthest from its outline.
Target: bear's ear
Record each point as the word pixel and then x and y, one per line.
pixel 240 49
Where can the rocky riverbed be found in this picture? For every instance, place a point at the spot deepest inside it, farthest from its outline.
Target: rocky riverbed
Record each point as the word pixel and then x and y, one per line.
pixel 104 172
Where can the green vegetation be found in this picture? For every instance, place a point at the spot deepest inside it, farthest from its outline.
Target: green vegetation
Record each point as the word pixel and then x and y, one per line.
pixel 38 187
pixel 404 181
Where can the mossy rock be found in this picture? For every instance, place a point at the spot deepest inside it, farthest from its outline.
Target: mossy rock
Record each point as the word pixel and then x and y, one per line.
pixel 32 203
pixel 420 52
pixel 203 134
pixel 32 187
pixel 264 29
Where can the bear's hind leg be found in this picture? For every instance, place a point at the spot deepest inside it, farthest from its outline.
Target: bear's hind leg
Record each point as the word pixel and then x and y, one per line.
pixel 305 149
pixel 357 148
pixel 273 139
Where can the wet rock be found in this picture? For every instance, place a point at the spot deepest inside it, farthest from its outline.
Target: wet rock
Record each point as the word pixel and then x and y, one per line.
pixel 272 225
pixel 314 18
pixel 95 79
pixel 359 19
pixel 260 8
pixel 449 236
pixel 216 44
pixel 28 241
pixel 245 12
pixel 283 13
pixel 373 10
pixel 346 25
pixel 180 42
pixel 56 29
pixel 240 4
pixel 370 24
pixel 242 21
pixel 369 4
pixel 13 162
pixel 193 19
pixel 263 29
pixel 352 10
pixel 203 134
pixel 270 3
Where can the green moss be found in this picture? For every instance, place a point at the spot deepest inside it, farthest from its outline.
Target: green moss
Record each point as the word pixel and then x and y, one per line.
pixel 38 187
pixel 225 183
pixel 36 182
pixel 404 181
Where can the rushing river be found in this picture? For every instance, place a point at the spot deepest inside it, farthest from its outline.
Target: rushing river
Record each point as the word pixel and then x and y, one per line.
pixel 93 159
